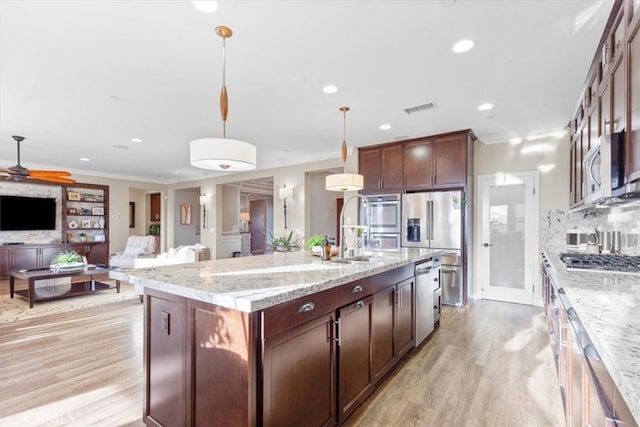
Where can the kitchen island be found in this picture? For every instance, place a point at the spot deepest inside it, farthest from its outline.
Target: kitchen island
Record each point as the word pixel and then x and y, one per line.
pixel 277 339
pixel 607 306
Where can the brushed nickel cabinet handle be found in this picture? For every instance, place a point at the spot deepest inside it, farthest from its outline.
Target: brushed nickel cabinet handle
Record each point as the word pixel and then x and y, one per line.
pixel 359 305
pixel 356 289
pixel 306 307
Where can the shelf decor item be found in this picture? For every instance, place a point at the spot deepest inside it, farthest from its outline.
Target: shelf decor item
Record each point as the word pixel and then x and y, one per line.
pixel 72 211
pixel 72 195
pixel 73 225
pixel 97 211
pixel 67 261
pixel 86 223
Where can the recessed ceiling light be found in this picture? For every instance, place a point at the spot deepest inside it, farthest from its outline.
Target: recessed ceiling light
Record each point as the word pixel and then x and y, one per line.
pixel 385 126
pixel 330 89
pixel 120 146
pixel 463 46
pixel 205 6
pixel 515 141
pixel 485 107
pixel 85 159
pixel 136 140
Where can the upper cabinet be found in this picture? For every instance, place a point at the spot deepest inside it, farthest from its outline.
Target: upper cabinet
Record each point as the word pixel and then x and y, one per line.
pixel 436 162
pixel 633 90
pixel 432 162
pixel 381 168
pixel 154 207
pixel 610 102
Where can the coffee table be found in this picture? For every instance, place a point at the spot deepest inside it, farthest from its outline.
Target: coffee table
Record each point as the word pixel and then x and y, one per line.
pixel 88 285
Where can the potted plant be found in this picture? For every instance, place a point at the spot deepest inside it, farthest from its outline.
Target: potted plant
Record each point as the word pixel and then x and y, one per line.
pixel 154 229
pixel 283 243
pixel 83 237
pixel 315 243
pixel 67 261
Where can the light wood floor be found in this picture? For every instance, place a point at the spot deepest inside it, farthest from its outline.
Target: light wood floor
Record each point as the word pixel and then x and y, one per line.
pixel 489 364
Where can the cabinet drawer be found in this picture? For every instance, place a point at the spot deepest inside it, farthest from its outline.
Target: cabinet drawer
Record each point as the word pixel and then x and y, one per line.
pixel 353 291
pixel 287 315
pixel 383 280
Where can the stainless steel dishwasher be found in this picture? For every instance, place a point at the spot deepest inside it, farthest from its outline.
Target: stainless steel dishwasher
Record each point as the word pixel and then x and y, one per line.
pixel 427 280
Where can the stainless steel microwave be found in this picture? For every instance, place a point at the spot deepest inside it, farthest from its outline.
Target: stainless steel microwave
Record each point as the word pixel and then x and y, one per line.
pixel 604 169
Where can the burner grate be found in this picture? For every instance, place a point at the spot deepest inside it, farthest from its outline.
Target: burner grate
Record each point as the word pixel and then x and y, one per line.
pixel 613 263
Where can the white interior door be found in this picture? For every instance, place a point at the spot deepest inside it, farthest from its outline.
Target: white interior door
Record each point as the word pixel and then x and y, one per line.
pixel 508 241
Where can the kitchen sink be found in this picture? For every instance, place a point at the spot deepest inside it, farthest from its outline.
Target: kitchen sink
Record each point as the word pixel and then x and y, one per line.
pixel 353 259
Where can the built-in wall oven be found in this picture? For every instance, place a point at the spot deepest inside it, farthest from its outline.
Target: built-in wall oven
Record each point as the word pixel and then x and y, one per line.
pixel 382 214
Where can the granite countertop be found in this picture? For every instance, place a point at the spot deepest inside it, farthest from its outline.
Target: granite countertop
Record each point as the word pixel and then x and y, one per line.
pixel 608 305
pixel 253 283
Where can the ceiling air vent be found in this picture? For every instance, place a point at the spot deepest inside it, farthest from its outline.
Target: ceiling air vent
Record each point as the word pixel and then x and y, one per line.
pixel 427 106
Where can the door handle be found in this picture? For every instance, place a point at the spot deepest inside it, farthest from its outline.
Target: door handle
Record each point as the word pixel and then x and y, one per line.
pixel 486 245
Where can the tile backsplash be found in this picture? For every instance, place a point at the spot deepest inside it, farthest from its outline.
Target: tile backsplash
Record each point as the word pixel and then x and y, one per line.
pixel 626 219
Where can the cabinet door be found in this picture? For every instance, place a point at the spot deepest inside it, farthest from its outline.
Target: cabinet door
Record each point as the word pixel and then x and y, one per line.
pixel 299 375
pixel 355 376
pixel 5 263
pixel 618 90
pixel 27 258
pixel 404 317
pixel 418 164
pixel 392 173
pixel 154 202
pixel 165 347
pixel 382 351
pixel 370 168
pixel 450 160
pixel 98 253
pixel 605 109
pixel 572 173
pixel 633 128
pixel 47 253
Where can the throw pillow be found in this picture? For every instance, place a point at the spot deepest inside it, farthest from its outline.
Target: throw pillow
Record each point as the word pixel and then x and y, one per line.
pixel 132 251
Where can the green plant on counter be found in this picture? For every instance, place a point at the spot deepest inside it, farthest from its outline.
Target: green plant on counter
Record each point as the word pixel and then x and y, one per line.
pixel 283 242
pixel 66 257
pixel 315 240
pixel 154 229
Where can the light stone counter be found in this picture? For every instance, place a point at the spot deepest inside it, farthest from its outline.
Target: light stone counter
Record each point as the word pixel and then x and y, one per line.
pixel 608 305
pixel 253 283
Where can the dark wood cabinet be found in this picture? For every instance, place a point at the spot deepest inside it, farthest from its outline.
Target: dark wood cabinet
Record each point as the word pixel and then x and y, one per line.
pixel 382 345
pixel 381 168
pixel 154 207
pixel 309 361
pixel 299 375
pixel 438 162
pixel 633 113
pixel 405 309
pixel 165 360
pixel 354 349
pixel 5 257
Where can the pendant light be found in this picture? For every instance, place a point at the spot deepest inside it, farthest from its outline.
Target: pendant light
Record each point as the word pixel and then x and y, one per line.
pixel 223 154
pixel 344 181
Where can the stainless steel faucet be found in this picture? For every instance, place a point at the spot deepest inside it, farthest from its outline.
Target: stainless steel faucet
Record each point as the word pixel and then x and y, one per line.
pixel 344 206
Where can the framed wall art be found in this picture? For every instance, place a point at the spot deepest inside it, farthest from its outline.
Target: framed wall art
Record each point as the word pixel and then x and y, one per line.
pixel 185 213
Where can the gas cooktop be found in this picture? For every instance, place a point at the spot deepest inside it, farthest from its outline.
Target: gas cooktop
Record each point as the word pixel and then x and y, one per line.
pixel 575 261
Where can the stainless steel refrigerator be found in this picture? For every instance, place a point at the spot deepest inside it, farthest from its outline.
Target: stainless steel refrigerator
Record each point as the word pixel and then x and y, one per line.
pixel 434 220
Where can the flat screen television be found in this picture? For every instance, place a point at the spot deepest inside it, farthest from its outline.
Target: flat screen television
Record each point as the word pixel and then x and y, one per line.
pixel 18 213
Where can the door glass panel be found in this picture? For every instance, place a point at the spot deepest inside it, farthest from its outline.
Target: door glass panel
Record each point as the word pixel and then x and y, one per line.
pixel 506 234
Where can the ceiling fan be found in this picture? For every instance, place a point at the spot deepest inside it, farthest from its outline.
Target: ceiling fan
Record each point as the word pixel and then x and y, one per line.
pixel 43 175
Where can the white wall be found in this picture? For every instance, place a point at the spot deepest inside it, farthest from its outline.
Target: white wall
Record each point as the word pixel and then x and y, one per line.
pixel 322 206
pixel 185 234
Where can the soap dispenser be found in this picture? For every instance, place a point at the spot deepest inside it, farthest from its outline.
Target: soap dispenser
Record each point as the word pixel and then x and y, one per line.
pixel 326 249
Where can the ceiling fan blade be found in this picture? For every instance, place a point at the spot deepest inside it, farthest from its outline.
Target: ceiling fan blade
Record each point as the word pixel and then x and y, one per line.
pixel 8 171
pixel 56 179
pixel 43 173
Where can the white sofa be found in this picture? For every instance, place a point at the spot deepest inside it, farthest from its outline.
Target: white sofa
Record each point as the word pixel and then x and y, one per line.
pixel 136 247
